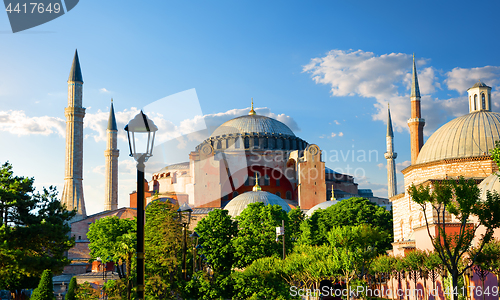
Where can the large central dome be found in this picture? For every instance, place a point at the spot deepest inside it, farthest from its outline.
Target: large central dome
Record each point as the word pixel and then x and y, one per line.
pixel 252 124
pixel 471 135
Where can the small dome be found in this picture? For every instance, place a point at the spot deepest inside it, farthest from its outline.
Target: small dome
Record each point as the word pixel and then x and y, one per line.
pixel 238 204
pixel 471 135
pixel 490 183
pixel 479 84
pixel 253 124
pixel 322 205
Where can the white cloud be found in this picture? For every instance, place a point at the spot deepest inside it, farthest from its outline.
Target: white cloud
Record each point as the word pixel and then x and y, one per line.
pixel 16 122
pixel 104 90
pixel 337 134
pixel 336 122
pixel 387 79
pixel 400 166
pixel 341 133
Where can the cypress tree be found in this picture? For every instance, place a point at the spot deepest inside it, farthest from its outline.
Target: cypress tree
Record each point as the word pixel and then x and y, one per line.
pixel 45 290
pixel 70 295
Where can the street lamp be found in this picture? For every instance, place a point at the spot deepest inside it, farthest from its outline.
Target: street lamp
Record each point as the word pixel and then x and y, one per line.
pixel 139 126
pixel 184 214
pixel 197 236
pixel 281 231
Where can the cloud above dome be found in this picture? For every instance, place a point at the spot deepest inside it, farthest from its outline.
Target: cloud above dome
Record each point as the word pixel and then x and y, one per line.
pixel 387 79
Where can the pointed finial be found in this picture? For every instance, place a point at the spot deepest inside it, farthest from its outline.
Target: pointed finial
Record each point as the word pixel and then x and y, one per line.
pixel 112 119
pixel 333 195
pixel 415 91
pixel 252 112
pixel 256 187
pixel 75 74
pixel 389 122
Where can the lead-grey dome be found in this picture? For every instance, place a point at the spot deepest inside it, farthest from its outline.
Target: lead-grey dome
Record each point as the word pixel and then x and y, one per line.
pixel 471 135
pixel 253 124
pixel 239 203
pixel 322 205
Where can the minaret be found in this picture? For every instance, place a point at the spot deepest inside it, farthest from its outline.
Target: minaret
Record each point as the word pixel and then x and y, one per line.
pixel 72 194
pixel 416 123
pixel 111 154
pixel 390 155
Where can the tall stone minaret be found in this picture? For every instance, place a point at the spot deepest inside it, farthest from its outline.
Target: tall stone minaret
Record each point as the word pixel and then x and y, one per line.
pixel 111 154
pixel 72 194
pixel 416 123
pixel 390 155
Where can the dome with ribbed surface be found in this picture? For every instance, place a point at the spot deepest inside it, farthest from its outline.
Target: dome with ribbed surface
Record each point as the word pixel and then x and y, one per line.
pixel 253 124
pixel 239 203
pixel 467 136
pixel 322 205
pixel 490 183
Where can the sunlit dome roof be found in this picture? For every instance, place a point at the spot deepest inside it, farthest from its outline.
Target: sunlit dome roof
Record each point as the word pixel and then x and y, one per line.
pixel 490 183
pixel 322 205
pixel 471 135
pixel 239 203
pixel 253 124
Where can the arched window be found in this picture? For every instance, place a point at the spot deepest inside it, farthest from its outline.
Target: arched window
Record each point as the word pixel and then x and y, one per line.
pixel 475 102
pixel 402 231
pixel 278 194
pixel 483 101
pixel 256 142
pixel 247 143
pixel 288 195
pixel 277 182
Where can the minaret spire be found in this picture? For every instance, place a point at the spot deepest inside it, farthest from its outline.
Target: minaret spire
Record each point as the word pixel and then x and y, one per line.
pixel 416 123
pixel 72 195
pixel 390 155
pixel 111 154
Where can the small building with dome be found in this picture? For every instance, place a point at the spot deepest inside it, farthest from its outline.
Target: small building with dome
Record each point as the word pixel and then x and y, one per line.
pixel 460 147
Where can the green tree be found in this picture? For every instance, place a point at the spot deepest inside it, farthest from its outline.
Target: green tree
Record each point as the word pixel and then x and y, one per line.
pixel 163 245
pixel 457 200
pixel 295 219
pixel 261 280
pixel 216 231
pixel 114 239
pixel 362 242
pixel 256 236
pixel 85 291
pixel 33 230
pixel 489 258
pixel 70 294
pixel 44 291
pixel 349 212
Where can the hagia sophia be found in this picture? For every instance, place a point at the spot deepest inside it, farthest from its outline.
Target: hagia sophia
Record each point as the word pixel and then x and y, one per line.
pixel 254 158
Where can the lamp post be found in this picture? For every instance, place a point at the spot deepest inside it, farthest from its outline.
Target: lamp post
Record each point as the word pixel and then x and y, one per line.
pixel 197 236
pixel 281 231
pixel 139 126
pixel 184 213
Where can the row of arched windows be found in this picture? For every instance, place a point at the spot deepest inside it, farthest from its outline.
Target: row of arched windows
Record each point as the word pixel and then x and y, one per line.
pixel 475 102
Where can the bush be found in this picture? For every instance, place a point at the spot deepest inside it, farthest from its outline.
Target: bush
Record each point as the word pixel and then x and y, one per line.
pixel 70 295
pixel 44 291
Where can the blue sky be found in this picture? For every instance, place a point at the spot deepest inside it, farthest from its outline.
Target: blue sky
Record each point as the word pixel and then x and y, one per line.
pixel 325 68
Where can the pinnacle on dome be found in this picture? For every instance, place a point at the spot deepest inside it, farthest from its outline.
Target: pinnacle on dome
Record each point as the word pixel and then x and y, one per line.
pixel 252 112
pixel 256 187
pixel 389 122
pixel 415 91
pixel 112 119
pixel 76 73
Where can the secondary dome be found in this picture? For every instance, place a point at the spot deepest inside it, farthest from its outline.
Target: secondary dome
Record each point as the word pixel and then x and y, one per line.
pixel 238 204
pixel 471 135
pixel 490 183
pixel 253 124
pixel 322 205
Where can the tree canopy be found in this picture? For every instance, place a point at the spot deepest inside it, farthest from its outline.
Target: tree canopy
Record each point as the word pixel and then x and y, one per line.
pixel 33 230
